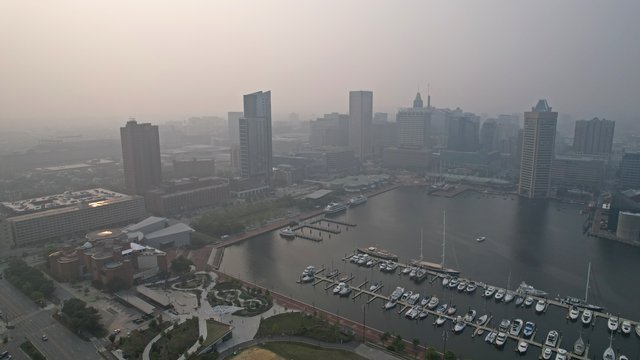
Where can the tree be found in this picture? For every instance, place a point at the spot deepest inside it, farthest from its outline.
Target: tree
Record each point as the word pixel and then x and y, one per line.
pixel 181 265
pixel 432 354
pixel 416 343
pixel 385 337
pixel 80 318
pixel 449 356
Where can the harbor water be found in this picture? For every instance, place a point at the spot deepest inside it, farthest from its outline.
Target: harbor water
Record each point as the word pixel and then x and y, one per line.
pixel 540 242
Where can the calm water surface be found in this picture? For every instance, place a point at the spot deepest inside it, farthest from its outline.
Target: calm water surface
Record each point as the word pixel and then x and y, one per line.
pixel 539 242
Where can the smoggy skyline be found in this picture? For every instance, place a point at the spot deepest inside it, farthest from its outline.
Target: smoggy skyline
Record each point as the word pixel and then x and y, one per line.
pixel 159 60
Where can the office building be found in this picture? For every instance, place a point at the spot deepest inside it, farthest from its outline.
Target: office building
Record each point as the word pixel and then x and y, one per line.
pixel 593 136
pixel 538 141
pixel 233 118
pixel 628 228
pixel 582 172
pixel 360 123
pixel 630 171
pixel 256 151
pixel 67 214
pixel 140 156
pixel 180 196
pixel 329 130
pixel 193 167
pixel 380 118
pixel 413 126
pixel 489 136
pixel 414 159
pixel 463 132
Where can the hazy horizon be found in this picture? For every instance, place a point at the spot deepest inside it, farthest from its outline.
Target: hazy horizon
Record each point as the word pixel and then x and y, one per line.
pixel 100 62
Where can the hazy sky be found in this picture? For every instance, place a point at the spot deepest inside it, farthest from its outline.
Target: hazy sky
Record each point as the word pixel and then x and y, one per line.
pixel 162 59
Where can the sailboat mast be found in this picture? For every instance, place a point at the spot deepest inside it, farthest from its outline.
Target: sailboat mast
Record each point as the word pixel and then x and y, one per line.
pixel 586 290
pixel 421 240
pixel 444 236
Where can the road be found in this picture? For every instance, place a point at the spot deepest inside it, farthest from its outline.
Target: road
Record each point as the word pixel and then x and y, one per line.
pixel 31 322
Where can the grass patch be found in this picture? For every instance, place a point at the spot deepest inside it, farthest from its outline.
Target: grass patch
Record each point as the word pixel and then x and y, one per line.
pixel 295 351
pixel 299 324
pixel 31 351
pixel 175 342
pixel 214 331
pixel 132 346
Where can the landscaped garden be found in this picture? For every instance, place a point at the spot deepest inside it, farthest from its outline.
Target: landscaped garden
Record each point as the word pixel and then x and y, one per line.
pixel 254 301
pixel 299 324
pixel 175 342
pixel 133 345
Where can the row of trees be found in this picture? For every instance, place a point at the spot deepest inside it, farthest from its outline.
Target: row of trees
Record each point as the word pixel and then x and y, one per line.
pixel 29 280
pixel 81 319
pixel 397 344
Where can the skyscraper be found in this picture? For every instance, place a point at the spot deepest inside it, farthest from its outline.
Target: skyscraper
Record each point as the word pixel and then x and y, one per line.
pixel 360 119
pixel 140 156
pixel 413 126
pixel 630 171
pixel 489 135
pixel 538 141
pixel 233 118
pixel 255 137
pixel 593 136
pixel 463 132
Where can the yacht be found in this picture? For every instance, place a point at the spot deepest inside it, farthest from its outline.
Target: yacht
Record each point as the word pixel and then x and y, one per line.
pixel 501 339
pixel 471 287
pixel 383 265
pixel 546 353
pixel 441 320
pixel 406 270
pixel 460 325
pixel 412 273
pixel 413 312
pixel 504 325
pixel 395 295
pixel 551 339
pixel 540 306
pixel 489 292
pixel 391 266
pixel 453 283
pixel 482 320
pixel 530 290
pixel 587 316
pixel 287 233
pixel 379 253
pixel 307 277
pixel 574 313
pixel 609 354
pixel 578 347
pixel 420 273
pixel 390 304
pixel 470 316
pixel 516 326
pixel 423 314
pixel 357 200
pixel 499 294
pixel 462 286
pixel 626 327
pixel 613 323
pixel 442 308
pixel 406 295
pixel 491 337
pixel 334 207
pixel 522 347
pixel 433 302
pixel 561 355
pixel 451 310
pixel 425 300
pixel 375 286
pixel 529 329
pixel 528 301
pixel 481 239
pixel 338 288
pixel 413 299
pixel 346 290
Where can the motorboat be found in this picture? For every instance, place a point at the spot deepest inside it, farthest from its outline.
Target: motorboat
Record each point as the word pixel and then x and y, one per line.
pixel 470 316
pixel 546 353
pixel 390 304
pixel 626 327
pixel 442 308
pixel 638 330
pixel 395 295
pixel 334 207
pixel 491 337
pixel 481 239
pixel 333 273
pixel 504 325
pixel 459 325
pixel 516 327
pixel 420 273
pixel 482 320
pixel 391 266
pixel 346 290
pixel 489 291
pixel 371 262
pixel 287 233
pixel 501 339
pixel 412 273
pixel 471 287
pixel 412 313
pixel 307 278
pixel 519 300
pixel 453 283
pixel 530 290
pixel 462 286
pixel 433 302
pixel 529 329
pixel 344 278
pixel 423 314
pixel 451 310
pixel 522 347
pixel 338 288
pixel 406 295
pixel 445 281
pixel 541 305
pixel 441 320
pixel 574 313
pixel 528 301
pixel 562 354
pixel 551 339
pixel 354 258
pixel 613 323
pixel 500 295
pixel 413 299
pixel 587 316
pixel 508 297
pixel 425 300
pixel 579 347
pixel 406 270
pixel 609 354
pixel 375 286
pixel 357 200
pixel 623 357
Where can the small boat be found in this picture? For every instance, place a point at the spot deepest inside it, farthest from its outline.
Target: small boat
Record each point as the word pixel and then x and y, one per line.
pixel 623 357
pixel 528 301
pixel 530 290
pixel 574 313
pixel 516 326
pixel 522 347
pixel 504 325
pixel 541 305
pixel 412 313
pixel 471 287
pixel 587 316
pixel 441 320
pixel 609 354
pixel 442 309
pixel 462 286
pixel 357 200
pixel 529 329
pixel 445 281
pixel 333 273
pixel 626 327
pixel 501 339
pixel 508 297
pixel 638 330
pixel 395 295
pixel 613 323
pixel 423 314
pixel 287 233
pixel 425 300
pixel 453 283
pixel 519 300
pixel 391 266
pixel 551 339
pixel 451 310
pixel 491 337
pixel 481 239
pixel 482 320
pixel 406 270
pixel 500 295
pixel 344 278
pixel 390 304
pixel 546 353
pixel 413 299
pixel 562 354
pixel 338 288
pixel 346 290
pixel 579 347
pixel 459 325
pixel 375 286
pixel 470 316
pixel 489 291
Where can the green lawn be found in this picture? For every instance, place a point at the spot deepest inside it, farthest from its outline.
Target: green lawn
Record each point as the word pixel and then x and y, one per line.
pixel 299 351
pixel 31 351
pixel 214 331
pixel 302 325
pixel 175 342
pixel 133 345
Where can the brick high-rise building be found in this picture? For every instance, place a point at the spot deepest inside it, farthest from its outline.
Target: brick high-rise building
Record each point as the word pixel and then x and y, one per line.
pixel 140 157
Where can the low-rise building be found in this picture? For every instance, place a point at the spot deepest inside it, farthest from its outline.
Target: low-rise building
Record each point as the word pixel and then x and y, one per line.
pixel 187 194
pixel 415 159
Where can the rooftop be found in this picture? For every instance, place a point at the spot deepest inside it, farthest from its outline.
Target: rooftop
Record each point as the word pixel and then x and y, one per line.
pixel 68 199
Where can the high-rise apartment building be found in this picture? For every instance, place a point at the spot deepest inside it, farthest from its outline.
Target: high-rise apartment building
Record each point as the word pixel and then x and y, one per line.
pixel 630 171
pixel 360 119
pixel 489 136
pixel 538 141
pixel 593 136
pixel 413 126
pixel 463 131
pixel 140 157
pixel 233 119
pixel 256 153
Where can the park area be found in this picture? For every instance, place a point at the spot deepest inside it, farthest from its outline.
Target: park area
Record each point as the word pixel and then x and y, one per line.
pixel 294 351
pixel 254 301
pixel 299 324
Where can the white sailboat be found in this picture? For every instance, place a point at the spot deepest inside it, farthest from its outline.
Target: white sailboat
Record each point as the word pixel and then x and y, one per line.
pixel 440 268
pixel 609 354
pixel 508 296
